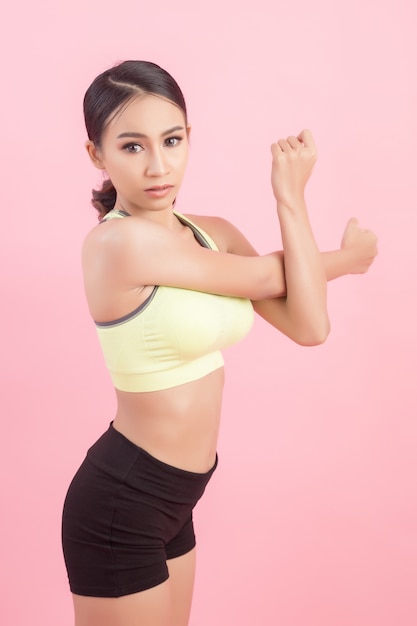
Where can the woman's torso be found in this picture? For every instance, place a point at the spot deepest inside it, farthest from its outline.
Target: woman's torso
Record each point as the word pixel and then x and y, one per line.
pixel 175 421
pixel 178 425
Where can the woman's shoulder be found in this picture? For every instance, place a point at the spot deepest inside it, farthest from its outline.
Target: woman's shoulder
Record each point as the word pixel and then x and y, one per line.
pixel 218 228
pixel 113 233
pixel 111 246
pixel 120 235
pixel 227 236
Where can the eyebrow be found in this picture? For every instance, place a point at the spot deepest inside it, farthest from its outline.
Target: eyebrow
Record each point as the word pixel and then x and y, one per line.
pixel 143 136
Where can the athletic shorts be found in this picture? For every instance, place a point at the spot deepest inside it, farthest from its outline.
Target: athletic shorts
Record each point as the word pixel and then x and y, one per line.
pixel 124 515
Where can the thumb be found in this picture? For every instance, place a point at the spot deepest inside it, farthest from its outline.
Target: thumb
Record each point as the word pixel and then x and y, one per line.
pixel 353 222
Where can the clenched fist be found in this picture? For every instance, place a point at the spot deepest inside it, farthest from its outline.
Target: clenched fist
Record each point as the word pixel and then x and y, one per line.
pixel 292 162
pixel 362 246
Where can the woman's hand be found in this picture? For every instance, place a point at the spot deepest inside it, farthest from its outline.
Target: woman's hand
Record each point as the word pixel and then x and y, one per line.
pixel 292 163
pixel 361 245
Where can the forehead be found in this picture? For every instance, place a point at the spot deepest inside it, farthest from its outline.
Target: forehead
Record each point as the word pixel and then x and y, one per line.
pixel 149 115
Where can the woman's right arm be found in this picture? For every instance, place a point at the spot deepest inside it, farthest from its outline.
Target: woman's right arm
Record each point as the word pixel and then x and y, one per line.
pixel 135 252
pixel 131 253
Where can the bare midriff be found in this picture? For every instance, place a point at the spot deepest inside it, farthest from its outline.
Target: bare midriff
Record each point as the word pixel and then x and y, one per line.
pixel 178 426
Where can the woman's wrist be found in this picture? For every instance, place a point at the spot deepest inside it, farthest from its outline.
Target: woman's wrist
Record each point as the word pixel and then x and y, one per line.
pixel 292 206
pixel 338 262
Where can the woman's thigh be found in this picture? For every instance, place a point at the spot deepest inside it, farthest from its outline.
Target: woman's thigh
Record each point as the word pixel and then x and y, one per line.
pixel 146 608
pixel 181 579
pixel 167 604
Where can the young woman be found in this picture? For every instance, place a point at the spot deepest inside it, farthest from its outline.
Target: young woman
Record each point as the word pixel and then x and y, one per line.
pixel 167 292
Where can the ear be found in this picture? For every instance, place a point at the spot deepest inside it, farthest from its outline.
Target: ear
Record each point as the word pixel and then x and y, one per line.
pixel 95 154
pixel 188 129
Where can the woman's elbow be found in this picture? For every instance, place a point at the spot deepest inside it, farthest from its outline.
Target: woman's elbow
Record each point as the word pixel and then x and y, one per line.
pixel 314 336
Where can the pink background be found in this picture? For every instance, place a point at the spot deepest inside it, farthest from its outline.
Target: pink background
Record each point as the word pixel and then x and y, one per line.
pixel 311 517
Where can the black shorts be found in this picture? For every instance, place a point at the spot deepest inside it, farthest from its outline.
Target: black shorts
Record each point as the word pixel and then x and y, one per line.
pixel 125 514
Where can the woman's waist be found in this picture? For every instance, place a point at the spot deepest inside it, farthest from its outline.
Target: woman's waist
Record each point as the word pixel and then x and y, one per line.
pixel 178 426
pixel 119 458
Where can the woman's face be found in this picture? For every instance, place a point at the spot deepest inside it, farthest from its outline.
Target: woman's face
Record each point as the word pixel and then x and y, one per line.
pixel 144 150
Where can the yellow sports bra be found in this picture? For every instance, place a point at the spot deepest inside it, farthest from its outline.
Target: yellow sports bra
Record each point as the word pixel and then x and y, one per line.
pixel 175 335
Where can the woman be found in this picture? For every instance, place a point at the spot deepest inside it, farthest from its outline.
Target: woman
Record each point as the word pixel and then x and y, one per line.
pixel 167 293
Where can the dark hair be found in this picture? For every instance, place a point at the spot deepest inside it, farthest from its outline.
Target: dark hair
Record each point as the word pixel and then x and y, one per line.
pixel 106 96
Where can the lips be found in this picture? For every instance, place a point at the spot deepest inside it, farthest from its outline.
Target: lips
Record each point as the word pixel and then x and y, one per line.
pixel 159 191
pixel 159 188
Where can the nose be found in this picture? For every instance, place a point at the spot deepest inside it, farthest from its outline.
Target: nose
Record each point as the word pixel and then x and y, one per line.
pixel 156 165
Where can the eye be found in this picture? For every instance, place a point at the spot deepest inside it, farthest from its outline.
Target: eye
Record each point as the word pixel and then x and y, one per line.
pixel 171 142
pixel 133 147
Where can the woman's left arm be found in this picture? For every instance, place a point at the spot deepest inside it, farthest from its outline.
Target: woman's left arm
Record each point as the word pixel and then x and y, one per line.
pixel 355 256
pixel 303 310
